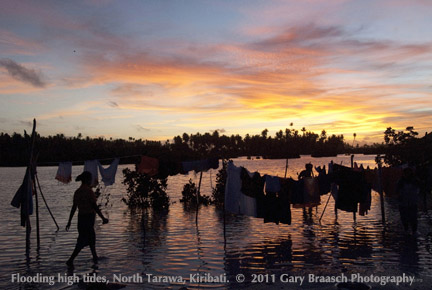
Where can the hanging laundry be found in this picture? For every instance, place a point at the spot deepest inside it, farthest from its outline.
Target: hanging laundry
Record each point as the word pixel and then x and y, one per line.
pixel 148 165
pixel 272 208
pixel 371 180
pixel 168 168
pixel 365 203
pixel 232 188
pixel 311 192
pixel 108 174
pixel 24 198
pixel 284 201
pixel 272 184
pixel 253 186
pixel 248 205
pixel 252 183
pixel 64 172
pixel 235 201
pixel 333 186
pixel 277 204
pixel 200 165
pixel 213 163
pixel 351 187
pixel 92 167
pixel 296 192
pixel 323 180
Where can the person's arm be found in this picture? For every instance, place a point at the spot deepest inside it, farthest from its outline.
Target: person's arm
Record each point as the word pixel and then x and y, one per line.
pixel 98 211
pixel 72 212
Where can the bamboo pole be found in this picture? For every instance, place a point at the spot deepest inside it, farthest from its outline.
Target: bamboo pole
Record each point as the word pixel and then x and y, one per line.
pixel 286 167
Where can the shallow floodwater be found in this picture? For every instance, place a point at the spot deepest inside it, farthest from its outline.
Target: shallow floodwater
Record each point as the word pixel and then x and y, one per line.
pixel 173 244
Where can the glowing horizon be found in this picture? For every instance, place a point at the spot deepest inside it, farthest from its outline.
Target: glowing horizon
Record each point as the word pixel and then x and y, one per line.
pixel 157 69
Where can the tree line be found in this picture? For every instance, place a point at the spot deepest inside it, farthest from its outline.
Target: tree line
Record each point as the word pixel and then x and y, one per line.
pixel 288 143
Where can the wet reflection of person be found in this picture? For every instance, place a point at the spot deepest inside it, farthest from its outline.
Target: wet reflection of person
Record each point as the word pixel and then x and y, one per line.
pixel 408 192
pixel 303 174
pixel 85 200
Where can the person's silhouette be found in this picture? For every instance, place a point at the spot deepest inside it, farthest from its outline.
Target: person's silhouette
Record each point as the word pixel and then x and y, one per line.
pixel 85 200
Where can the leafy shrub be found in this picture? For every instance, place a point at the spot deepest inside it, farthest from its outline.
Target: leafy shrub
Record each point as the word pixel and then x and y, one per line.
pixel 218 193
pixel 189 194
pixel 145 191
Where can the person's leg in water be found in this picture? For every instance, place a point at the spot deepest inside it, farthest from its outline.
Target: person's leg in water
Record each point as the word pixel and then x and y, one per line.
pixel 92 244
pixel 93 251
pixel 75 253
pixel 404 218
pixel 413 219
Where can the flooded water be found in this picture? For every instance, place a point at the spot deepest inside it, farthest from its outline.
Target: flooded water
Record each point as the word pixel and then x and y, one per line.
pixel 173 244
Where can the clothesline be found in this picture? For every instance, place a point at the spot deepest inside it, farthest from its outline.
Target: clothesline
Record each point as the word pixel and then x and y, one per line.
pixel 148 165
pixel 244 192
pixel 82 161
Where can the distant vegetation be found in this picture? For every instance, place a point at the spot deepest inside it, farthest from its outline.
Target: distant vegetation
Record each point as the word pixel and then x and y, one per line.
pixel 288 143
pixel 405 147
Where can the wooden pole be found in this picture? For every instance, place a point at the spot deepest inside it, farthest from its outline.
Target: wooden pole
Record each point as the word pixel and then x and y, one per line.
pixel 325 207
pixel 37 213
pixel 198 196
pixel 28 225
pixel 352 166
pixel 381 191
pixel 28 232
pixel 46 204
pixel 331 190
pixel 286 167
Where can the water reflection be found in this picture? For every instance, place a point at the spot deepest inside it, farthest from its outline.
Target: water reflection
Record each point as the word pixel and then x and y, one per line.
pixel 174 243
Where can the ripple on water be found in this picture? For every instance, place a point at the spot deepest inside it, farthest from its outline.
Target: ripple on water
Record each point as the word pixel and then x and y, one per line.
pixel 174 244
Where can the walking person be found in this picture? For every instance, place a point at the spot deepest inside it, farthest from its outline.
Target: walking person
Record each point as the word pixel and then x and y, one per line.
pixel 306 173
pixel 85 200
pixel 408 192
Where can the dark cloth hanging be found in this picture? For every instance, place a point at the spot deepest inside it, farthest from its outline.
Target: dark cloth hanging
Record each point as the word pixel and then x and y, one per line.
pixel 284 200
pixel 277 204
pixel 200 165
pixel 272 208
pixel 24 198
pixel 253 186
pixel 365 203
pixel 351 187
pixel 372 182
pixel 272 183
pixel 323 181
pixel 213 162
pixel 296 192
pixel 168 167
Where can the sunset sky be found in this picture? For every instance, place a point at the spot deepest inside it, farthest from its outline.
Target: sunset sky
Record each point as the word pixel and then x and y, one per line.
pixel 154 69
